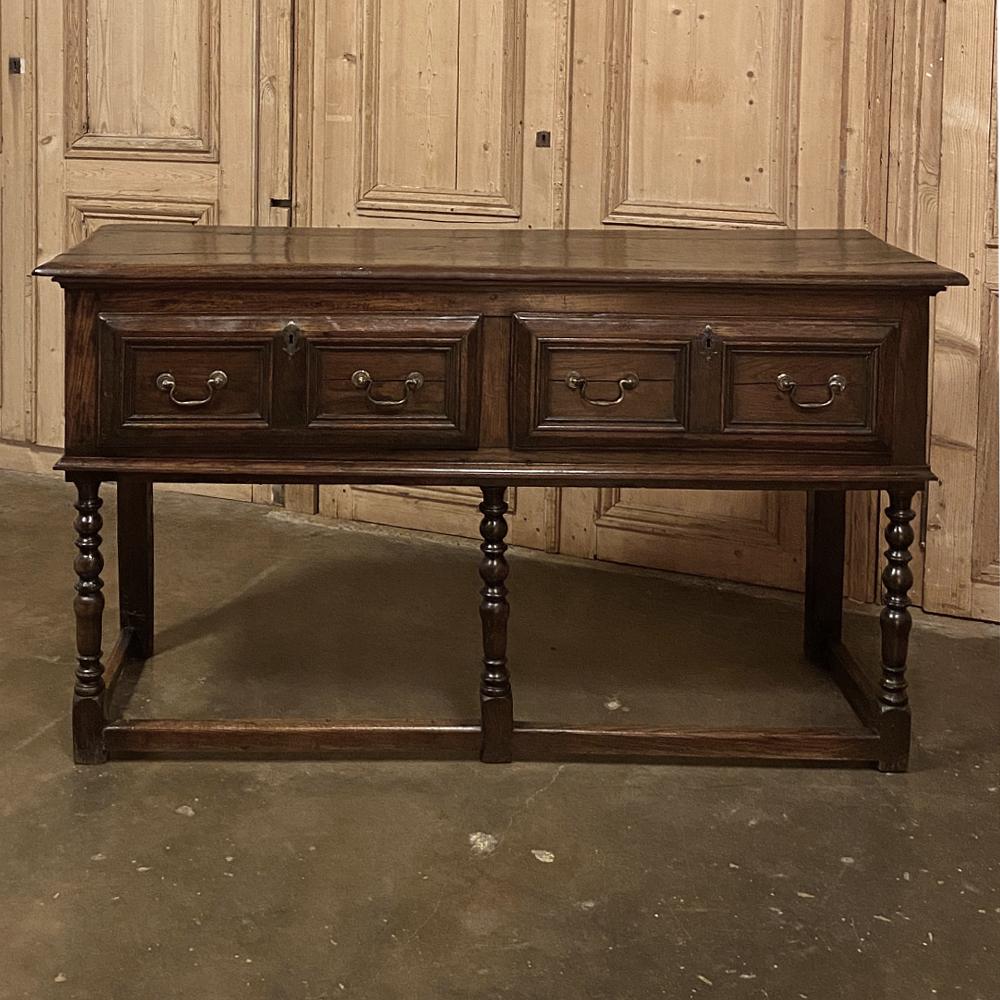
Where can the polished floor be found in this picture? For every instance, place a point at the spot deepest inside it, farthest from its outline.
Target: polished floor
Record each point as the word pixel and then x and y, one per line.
pixel 312 879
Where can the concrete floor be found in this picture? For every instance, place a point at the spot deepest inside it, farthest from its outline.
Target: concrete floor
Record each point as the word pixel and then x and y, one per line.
pixel 320 879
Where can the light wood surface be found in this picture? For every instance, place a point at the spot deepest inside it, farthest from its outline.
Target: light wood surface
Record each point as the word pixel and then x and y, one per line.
pixel 962 572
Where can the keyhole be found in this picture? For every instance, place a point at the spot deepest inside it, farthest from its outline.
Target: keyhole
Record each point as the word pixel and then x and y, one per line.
pixel 709 343
pixel 290 336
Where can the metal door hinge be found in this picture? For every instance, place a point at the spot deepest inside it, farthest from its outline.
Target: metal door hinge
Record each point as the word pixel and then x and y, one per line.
pixel 16 65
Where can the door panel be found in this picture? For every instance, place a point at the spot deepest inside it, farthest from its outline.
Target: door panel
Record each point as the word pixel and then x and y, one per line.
pixel 962 563
pixel 713 533
pixel 423 115
pixel 674 67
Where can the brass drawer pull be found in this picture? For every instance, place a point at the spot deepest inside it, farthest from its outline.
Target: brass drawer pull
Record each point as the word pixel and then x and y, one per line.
pixel 626 383
pixel 167 383
pixel 835 385
pixel 362 380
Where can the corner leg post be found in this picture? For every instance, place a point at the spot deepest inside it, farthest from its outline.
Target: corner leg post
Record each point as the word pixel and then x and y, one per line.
pixel 824 584
pixel 895 622
pixel 135 563
pixel 495 698
pixel 88 607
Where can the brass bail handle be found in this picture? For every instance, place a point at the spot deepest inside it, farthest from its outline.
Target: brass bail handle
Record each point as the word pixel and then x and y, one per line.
pixel 835 385
pixel 628 382
pixel 166 382
pixel 362 379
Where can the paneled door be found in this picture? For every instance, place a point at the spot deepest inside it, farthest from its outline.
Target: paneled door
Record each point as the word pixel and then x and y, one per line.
pixel 151 115
pixel 962 563
pixel 710 113
pixel 438 113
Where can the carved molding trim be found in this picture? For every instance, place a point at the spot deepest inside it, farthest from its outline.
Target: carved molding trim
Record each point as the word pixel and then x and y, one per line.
pixel 85 214
pixel 620 207
pixel 82 138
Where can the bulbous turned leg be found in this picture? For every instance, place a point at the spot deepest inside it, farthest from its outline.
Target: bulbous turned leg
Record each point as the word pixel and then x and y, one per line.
pixel 897 578
pixel 88 606
pixel 495 699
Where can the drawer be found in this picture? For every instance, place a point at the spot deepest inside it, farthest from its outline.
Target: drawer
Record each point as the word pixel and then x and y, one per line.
pixel 271 384
pixel 224 382
pixel 801 389
pixel 184 376
pixel 821 380
pixel 609 381
pixel 400 381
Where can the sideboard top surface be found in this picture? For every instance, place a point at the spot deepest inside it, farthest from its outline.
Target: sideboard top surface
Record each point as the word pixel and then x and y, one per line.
pixel 714 258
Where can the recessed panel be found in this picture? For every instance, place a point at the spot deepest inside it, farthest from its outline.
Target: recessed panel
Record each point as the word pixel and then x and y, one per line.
pixel 141 78
pixel 180 383
pixel 702 119
pixel 807 389
pixel 394 381
pixel 603 381
pixel 442 101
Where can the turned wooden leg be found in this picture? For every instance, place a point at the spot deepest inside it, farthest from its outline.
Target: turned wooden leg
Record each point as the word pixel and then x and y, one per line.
pixel 824 602
pixel 495 699
pixel 894 706
pixel 135 563
pixel 88 605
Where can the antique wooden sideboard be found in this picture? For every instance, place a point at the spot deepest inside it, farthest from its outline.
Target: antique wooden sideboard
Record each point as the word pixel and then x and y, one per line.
pixel 750 359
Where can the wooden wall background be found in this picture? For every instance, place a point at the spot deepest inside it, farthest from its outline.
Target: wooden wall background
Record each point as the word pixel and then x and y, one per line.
pixel 532 113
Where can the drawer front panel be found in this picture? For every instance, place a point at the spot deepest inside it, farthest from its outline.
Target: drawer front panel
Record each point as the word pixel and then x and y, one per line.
pixel 782 388
pixel 586 383
pixel 609 381
pixel 272 384
pixel 175 382
pixel 382 384
pixel 827 381
pixel 196 383
pixel 410 383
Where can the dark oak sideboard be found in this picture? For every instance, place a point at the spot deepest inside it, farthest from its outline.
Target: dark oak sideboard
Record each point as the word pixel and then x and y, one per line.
pixel 668 359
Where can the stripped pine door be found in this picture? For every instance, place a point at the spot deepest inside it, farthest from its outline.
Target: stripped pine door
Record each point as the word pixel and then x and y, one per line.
pixel 17 213
pixel 962 562
pixel 439 113
pixel 715 114
pixel 151 115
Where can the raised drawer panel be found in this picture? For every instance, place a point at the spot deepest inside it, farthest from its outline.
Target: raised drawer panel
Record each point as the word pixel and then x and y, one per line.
pixel 603 383
pixel 195 382
pixel 609 381
pixel 175 382
pixel 801 389
pixel 822 381
pixel 382 384
pixel 396 381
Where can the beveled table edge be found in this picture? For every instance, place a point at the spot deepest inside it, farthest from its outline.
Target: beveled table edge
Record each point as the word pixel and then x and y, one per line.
pixel 474 469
